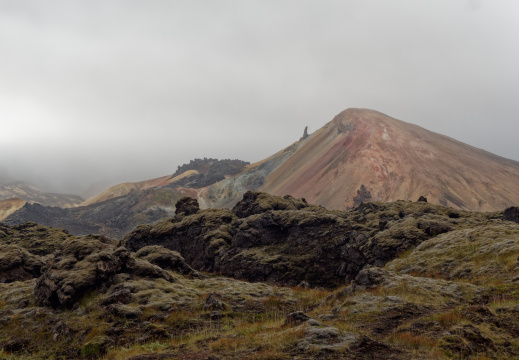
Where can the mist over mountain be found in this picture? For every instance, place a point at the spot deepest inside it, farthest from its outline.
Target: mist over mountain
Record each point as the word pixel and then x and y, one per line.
pixel 360 156
pixel 116 92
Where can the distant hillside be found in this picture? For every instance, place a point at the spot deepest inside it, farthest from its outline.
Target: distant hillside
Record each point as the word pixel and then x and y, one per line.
pixel 124 189
pixel 12 188
pixel 9 206
pixel 113 217
pixel 197 174
pixel 120 208
pixel 360 156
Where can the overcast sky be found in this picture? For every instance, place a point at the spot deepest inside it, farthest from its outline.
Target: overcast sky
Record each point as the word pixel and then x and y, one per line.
pixel 106 91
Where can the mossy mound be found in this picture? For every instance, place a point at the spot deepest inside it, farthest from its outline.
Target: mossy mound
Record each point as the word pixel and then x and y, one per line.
pixel 481 254
pixel 17 264
pixel 35 238
pixel 86 264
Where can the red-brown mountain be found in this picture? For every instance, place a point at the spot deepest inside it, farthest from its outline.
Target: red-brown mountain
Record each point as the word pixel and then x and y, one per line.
pixel 391 158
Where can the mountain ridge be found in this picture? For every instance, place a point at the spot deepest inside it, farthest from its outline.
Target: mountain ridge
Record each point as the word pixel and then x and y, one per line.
pixel 360 155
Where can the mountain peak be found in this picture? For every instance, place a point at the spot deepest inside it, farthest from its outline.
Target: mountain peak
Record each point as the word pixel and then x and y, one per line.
pixel 393 159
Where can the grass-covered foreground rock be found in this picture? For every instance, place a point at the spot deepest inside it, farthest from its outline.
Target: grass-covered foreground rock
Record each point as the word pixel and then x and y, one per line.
pixel 399 280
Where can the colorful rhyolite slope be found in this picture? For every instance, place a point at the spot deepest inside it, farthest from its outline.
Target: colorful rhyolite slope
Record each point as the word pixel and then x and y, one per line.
pixel 393 159
pixel 126 188
pixel 10 206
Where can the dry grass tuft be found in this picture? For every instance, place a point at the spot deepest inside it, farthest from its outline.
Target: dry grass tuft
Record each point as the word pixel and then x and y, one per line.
pixel 411 341
pixel 179 319
pixel 449 319
pixel 269 355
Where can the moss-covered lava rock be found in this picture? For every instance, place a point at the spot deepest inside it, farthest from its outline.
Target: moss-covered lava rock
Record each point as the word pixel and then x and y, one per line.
pixel 287 241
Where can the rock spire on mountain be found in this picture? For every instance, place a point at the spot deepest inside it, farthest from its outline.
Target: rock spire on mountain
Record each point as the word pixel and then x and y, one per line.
pixel 305 134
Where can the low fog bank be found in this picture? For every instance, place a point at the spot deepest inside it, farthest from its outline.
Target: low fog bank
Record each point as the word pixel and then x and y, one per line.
pixel 86 170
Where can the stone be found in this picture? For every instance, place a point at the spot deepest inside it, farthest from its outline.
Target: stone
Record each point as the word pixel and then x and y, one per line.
pixel 255 202
pixel 126 311
pixel 213 302
pixel 304 284
pixel 511 214
pixel 144 269
pixel 313 322
pixel 122 296
pixel 363 195
pixel 305 134
pixel 296 318
pixel 327 338
pixel 215 315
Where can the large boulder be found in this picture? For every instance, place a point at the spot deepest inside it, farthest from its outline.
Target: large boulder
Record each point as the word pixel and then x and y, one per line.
pixel 198 237
pixel 512 214
pixel 187 206
pixel 255 202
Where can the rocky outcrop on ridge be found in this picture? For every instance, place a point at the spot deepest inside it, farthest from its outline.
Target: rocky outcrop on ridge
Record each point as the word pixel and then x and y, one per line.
pixel 207 172
pixel 363 195
pixel 512 214
pixel 254 203
pixel 186 206
pixel 305 134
